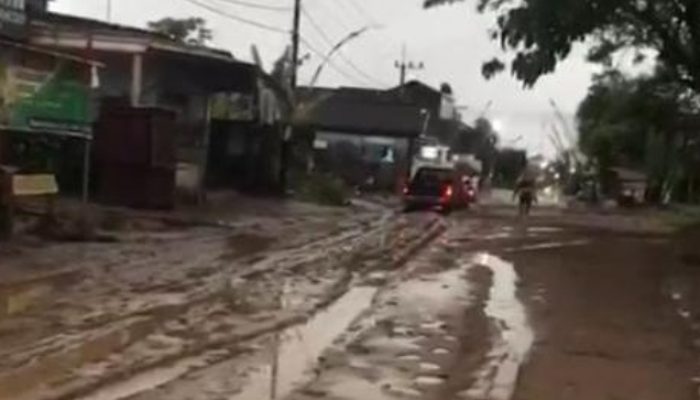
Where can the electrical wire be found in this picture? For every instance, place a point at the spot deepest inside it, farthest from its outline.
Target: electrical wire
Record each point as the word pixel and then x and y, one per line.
pixel 242 20
pixel 329 62
pixel 272 29
pixel 258 6
pixel 321 6
pixel 362 11
pixel 346 59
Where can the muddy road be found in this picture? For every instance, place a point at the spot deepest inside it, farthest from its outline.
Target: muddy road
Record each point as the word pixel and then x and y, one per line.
pixel 544 309
pixel 475 306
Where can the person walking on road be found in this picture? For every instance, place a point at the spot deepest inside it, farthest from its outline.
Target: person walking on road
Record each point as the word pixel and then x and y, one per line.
pixel 526 194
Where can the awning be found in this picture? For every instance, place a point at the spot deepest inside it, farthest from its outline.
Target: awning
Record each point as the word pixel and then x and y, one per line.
pixel 63 56
pixel 211 74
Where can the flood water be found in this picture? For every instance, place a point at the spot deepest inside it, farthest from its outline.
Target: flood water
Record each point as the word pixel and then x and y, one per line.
pixel 301 346
pixel 143 382
pixel 296 356
pixel 497 379
pixel 408 358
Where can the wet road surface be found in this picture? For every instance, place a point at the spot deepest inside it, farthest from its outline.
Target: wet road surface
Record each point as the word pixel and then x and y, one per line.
pixel 494 309
pixel 532 310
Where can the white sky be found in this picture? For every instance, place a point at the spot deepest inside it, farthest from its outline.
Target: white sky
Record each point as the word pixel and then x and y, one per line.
pixel 451 41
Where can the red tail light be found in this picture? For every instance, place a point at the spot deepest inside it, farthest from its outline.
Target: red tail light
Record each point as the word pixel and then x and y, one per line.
pixel 447 193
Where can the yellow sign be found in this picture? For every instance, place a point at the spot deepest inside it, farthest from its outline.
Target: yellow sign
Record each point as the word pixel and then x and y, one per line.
pixel 34 185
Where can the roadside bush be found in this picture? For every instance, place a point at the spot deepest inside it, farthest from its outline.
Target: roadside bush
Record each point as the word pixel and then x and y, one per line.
pixel 324 189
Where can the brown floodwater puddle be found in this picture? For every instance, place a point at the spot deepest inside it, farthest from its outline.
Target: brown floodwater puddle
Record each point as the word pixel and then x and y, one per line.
pixel 292 362
pixel 496 380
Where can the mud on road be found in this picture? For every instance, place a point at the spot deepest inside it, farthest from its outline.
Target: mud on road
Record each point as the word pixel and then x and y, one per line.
pixel 494 309
pixel 79 316
pixel 541 309
pixel 607 325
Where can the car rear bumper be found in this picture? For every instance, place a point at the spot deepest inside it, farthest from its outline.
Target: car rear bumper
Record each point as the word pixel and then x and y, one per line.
pixel 423 201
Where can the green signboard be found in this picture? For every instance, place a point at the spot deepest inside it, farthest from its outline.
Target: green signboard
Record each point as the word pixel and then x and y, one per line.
pixel 47 100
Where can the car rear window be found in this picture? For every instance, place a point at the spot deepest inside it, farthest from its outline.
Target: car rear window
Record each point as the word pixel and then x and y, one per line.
pixel 433 176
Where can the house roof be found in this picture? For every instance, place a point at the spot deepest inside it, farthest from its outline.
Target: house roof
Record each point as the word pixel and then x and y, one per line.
pixel 77 23
pixel 55 24
pixel 364 112
pixel 64 56
pixel 212 75
pixel 416 84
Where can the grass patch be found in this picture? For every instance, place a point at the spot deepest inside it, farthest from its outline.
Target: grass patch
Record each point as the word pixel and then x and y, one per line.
pixel 325 190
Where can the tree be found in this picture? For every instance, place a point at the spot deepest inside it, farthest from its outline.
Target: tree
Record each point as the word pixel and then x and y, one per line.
pixel 481 141
pixel 509 165
pixel 282 71
pixel 541 33
pixel 446 88
pixel 191 31
pixel 633 122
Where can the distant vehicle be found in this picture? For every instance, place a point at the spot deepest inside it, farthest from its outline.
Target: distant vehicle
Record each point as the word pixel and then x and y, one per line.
pixel 439 188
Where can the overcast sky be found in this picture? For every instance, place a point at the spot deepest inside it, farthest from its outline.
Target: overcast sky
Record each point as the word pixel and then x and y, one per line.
pixel 451 41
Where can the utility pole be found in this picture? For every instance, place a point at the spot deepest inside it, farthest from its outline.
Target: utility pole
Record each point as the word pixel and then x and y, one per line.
pixel 295 42
pixel 109 10
pixel 289 131
pixel 404 66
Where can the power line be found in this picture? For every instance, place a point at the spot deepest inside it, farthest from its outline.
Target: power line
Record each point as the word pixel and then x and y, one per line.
pixel 330 63
pixel 258 6
pixel 341 22
pixel 316 26
pixel 237 18
pixel 330 43
pixel 272 29
pixel 362 11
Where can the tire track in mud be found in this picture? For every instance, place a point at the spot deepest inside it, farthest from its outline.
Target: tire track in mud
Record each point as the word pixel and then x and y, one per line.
pixel 278 263
pixel 337 296
pixel 469 344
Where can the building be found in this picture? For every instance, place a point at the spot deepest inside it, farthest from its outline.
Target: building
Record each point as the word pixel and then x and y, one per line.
pixel 443 118
pixel 46 113
pixel 366 136
pixel 217 101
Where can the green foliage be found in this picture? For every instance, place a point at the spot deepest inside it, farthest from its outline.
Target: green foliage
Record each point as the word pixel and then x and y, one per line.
pixel 191 31
pixel 633 122
pixel 486 141
pixel 324 189
pixel 510 164
pixel 481 140
pixel 541 33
